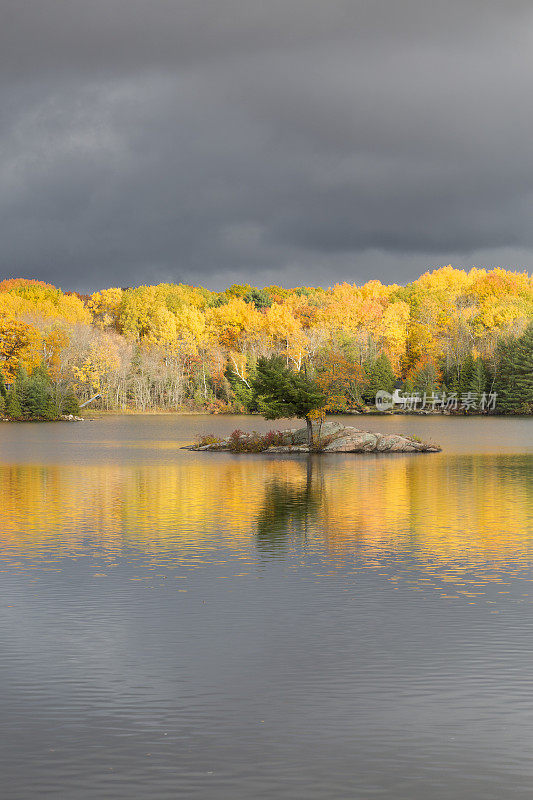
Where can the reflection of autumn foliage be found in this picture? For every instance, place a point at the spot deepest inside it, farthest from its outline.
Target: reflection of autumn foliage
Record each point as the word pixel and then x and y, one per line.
pixel 460 510
pixel 289 509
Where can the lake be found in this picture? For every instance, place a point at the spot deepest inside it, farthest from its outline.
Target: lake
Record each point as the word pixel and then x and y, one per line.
pixel 180 624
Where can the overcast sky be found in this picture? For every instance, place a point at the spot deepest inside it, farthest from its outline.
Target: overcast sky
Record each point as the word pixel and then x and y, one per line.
pixel 263 141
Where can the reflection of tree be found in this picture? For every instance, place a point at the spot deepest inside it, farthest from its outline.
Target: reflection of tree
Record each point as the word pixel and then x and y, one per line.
pixel 472 509
pixel 289 509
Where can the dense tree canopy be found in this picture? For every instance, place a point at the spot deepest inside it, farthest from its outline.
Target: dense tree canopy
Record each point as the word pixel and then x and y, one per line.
pixel 175 346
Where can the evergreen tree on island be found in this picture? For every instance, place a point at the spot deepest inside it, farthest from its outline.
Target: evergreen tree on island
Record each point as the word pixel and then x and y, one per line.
pixel 281 392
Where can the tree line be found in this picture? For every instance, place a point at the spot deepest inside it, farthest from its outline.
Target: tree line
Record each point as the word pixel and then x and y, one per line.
pixel 178 347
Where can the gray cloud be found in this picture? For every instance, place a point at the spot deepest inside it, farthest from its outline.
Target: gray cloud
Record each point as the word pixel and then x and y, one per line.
pixel 289 142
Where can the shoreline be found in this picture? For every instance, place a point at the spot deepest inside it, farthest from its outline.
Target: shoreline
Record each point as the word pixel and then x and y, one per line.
pixel 98 414
pixel 202 413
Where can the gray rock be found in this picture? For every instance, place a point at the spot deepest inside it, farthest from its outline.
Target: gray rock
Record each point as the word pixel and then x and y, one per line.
pixel 299 436
pixel 391 442
pixel 327 430
pixel 358 442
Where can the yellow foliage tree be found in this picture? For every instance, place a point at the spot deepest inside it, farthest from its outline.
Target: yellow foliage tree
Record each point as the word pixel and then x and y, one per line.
pixel 19 347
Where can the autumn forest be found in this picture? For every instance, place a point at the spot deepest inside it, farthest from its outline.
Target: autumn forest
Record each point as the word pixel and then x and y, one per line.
pixel 178 347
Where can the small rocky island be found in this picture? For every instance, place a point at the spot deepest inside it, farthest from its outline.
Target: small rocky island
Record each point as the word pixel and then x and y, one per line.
pixel 331 437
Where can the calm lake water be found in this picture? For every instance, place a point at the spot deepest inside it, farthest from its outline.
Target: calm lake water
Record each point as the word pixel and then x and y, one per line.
pixel 195 625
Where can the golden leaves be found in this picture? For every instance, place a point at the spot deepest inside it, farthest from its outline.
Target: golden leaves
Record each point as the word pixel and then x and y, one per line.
pixel 19 347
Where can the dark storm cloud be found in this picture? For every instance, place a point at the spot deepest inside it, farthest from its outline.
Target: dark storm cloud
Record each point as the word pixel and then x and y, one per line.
pixel 291 142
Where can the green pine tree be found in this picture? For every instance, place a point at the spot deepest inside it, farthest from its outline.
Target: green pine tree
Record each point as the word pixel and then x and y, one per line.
pixel 281 392
pixel 70 404
pixel 478 381
pixel 451 378
pixel 426 379
pixel 379 377
pixel 507 397
pixel 523 370
pixel 259 297
pixel 35 394
pixel 466 374
pixel 13 409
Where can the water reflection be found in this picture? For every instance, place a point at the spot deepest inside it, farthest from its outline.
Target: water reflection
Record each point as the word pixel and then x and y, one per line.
pixel 455 509
pixel 290 508
pixel 211 626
